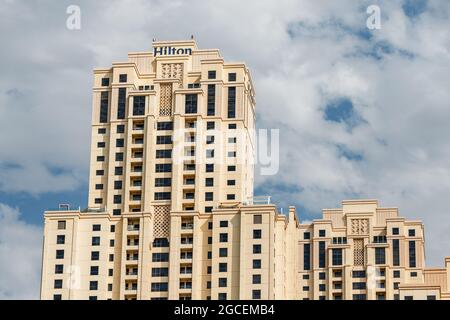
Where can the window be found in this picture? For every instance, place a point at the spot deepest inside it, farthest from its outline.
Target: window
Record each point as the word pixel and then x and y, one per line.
pixel 305 288
pixel 380 256
pixel 120 143
pixel 306 256
pixel 210 125
pixel 257 234
pixel 57 297
pixel 160 257
pixel 322 233
pixel 165 125
pixel 104 102
pixel 211 106
pixel 257 219
pixel 110 287
pixel 163 154
pixel 396 274
pixel 411 232
pixel 118 185
pixel 223 252
pixel 59 254
pixel 256 294
pixel 209 240
pixel 256 279
pixel 101 144
pixel 163 139
pixel 119 156
pixel 359 297
pixel 105 82
pixel 96 227
pixel 409 298
pixel 111 243
pixel 120 128
pixel 162 195
pixel 94 271
pixel 160 286
pixel 93 285
pixel 209 182
pixel 322 287
pixel 306 235
pixel 395 231
pixel 359 274
pixel 232 102
pixel 359 285
pixel 231 168
pixel 413 274
pixel 322 254
pixel 211 74
pixel 59 268
pixel 231 197
pixel 190 103
pixel 231 154
pixel 337 257
pixel 222 296
pixel 118 171
pixel 138 105
pixel 257 264
pixel 161 243
pixel 232 126
pixel 223 237
pixel 396 284
pixel 163 182
pixel 257 249
pixel 60 239
pixel 163 167
pixel 111 257
pixel 210 153
pixel 223 224
pixel 412 254
pixel 223 267
pixel 322 275
pixel 121 103
pixel 123 78
pixel 117 199
pixel 58 284
pixel 209 196
pixel 231 182
pixel 232 140
pixel 210 225
pixel 95 255
pixel 396 252
pixel 110 272
pixel 95 241
pixel 117 212
pixel 101 130
pixel 208 270
pixel 232 76
pixel 209 139
pixel 431 297
pixel 100 158
pixel 98 200
pixel 209 167
pixel 160 272
pixel 209 255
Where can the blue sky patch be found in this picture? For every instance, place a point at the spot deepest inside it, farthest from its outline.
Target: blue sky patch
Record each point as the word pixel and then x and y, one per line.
pixel 414 8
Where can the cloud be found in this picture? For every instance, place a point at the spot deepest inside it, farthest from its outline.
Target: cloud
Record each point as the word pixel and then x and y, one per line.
pixel 20 256
pixel 303 56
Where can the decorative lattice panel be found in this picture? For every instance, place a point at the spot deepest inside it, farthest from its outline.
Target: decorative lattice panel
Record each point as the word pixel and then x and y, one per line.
pixel 161 224
pixel 172 71
pixel 360 226
pixel 358 252
pixel 165 103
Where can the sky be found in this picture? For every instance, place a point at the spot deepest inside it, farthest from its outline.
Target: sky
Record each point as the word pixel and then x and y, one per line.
pixel 362 113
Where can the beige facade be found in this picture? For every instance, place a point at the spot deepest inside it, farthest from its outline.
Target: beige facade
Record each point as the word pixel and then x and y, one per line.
pixel 171 212
pixel 362 251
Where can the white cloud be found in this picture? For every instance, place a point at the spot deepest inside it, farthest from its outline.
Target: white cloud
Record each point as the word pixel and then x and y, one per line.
pixel 403 95
pixel 20 256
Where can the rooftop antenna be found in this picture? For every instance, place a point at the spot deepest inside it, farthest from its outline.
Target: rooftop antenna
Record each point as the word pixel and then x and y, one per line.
pixel 192 36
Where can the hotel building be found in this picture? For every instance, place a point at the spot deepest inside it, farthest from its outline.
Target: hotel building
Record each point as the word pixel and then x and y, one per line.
pixel 171 212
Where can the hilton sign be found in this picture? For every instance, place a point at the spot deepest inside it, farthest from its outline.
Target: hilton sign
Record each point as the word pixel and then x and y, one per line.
pixel 171 51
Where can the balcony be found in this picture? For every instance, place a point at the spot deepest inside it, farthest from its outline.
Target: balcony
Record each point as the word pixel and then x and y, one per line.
pixel 133 227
